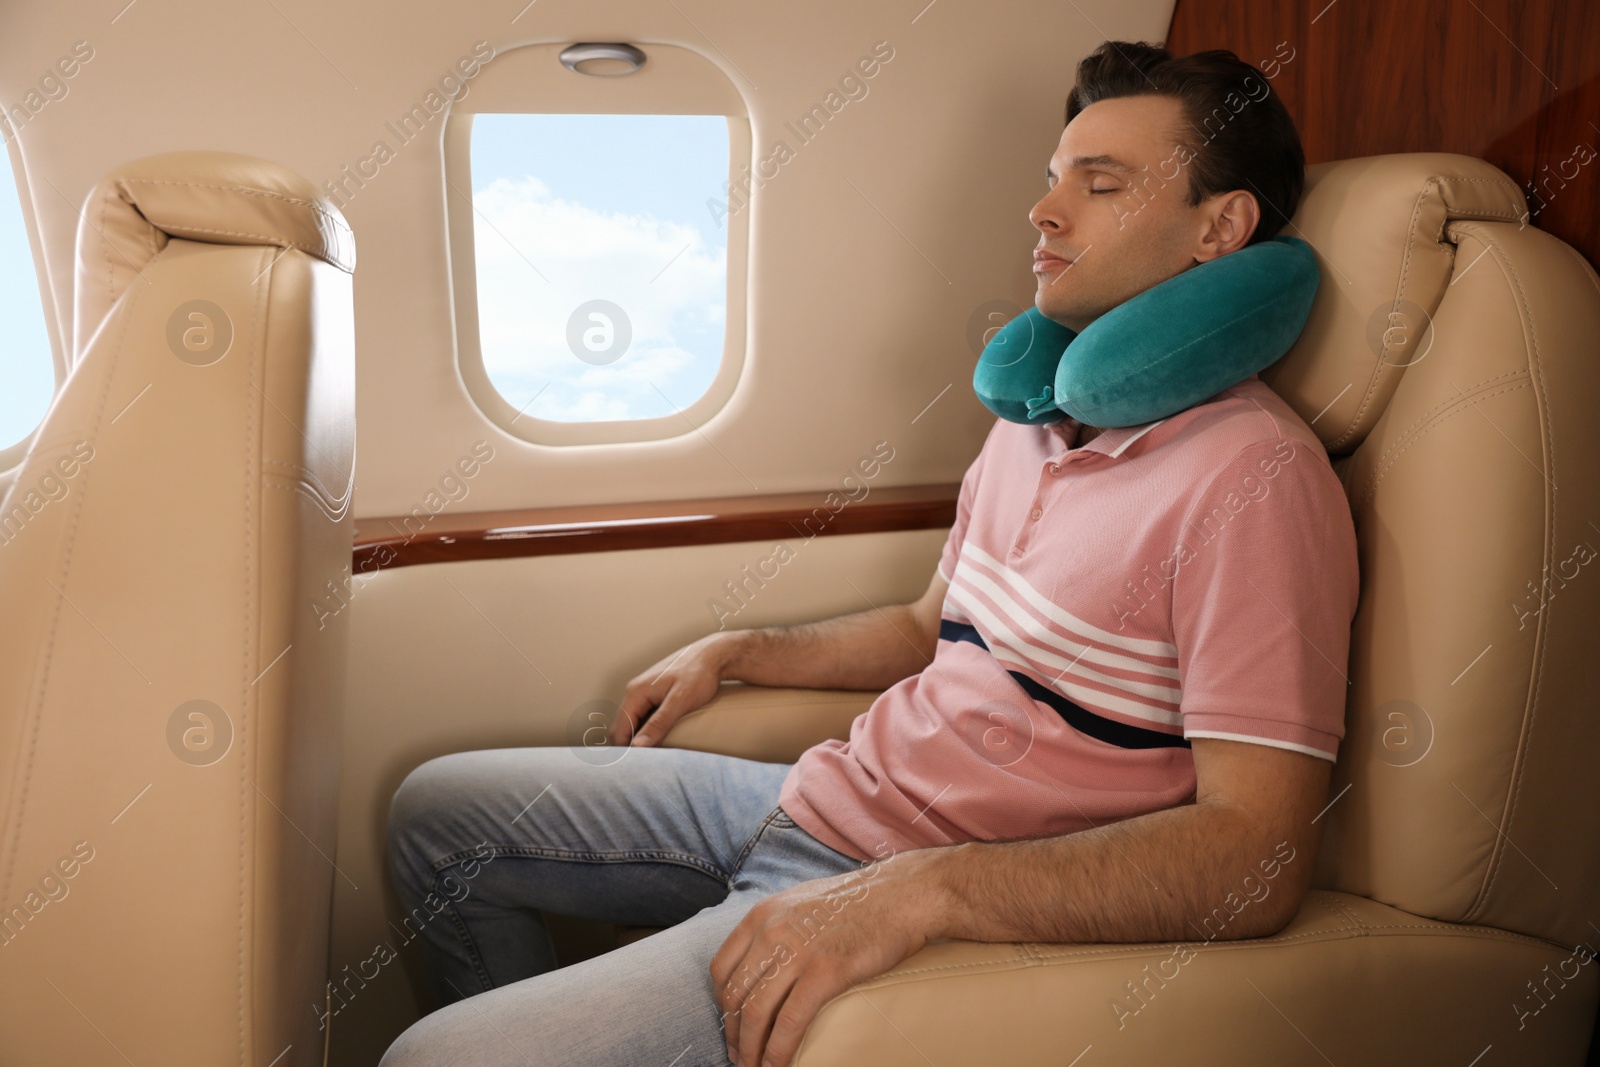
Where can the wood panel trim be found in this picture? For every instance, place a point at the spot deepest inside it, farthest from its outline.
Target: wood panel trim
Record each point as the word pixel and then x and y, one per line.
pixel 1513 82
pixel 403 541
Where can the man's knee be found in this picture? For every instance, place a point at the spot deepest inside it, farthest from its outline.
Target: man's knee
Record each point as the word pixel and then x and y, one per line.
pixel 425 1043
pixel 425 799
pixel 405 1052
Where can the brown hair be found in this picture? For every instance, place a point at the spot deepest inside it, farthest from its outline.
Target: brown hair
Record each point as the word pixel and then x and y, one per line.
pixel 1253 146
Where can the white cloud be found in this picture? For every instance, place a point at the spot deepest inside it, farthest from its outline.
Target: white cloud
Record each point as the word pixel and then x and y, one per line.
pixel 522 231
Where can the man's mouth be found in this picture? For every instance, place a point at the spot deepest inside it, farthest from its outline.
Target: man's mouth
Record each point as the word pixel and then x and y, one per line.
pixel 1046 262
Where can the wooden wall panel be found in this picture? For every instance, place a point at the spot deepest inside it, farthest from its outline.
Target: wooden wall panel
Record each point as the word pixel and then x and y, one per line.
pixel 403 540
pixel 1515 82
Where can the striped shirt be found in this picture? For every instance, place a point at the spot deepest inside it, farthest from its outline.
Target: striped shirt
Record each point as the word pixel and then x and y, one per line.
pixel 1195 576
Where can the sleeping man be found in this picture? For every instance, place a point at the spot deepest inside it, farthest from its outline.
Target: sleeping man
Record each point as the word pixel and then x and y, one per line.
pixel 1115 708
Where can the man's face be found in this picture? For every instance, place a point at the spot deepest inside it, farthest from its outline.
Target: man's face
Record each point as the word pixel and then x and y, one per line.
pixel 1115 221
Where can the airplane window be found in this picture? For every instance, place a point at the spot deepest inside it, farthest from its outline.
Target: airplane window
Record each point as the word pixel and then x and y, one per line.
pixel 601 271
pixel 27 373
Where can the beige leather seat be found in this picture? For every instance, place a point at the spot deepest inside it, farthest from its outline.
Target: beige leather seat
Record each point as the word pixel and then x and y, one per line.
pixel 1450 368
pixel 171 659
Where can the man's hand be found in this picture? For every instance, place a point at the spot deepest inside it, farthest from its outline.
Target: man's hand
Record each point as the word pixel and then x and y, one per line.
pixel 1251 837
pixel 669 690
pixel 802 946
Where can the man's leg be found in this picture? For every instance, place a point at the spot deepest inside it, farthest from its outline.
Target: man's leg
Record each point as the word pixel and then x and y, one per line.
pixel 479 842
pixel 647 1003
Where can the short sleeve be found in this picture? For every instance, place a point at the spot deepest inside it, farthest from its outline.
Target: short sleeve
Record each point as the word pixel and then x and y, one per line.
pixel 958 529
pixel 1263 598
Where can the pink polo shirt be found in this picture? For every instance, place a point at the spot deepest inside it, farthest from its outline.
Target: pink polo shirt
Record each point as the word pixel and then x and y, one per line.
pixel 1191 577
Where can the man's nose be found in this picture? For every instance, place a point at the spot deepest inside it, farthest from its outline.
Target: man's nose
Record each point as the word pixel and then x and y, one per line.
pixel 1047 216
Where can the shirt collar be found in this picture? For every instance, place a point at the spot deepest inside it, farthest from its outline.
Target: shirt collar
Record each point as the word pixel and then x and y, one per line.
pixel 1114 442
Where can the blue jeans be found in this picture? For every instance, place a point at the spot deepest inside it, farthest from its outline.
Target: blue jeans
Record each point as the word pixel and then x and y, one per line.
pixel 667 837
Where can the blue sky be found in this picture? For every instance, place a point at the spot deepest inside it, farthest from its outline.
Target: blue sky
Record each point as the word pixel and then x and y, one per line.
pixel 574 208
pixel 27 375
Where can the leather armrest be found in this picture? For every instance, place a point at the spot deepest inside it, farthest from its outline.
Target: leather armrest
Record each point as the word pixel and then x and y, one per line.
pixel 1348 981
pixel 767 723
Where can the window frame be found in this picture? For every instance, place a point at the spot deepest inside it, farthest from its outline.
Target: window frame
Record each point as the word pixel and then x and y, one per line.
pixel 11 456
pixel 683 83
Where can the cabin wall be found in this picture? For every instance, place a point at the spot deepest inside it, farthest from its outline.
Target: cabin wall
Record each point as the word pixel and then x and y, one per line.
pixel 869 252
pixel 1515 82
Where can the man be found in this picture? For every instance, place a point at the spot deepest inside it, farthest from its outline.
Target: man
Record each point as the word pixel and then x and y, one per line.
pixel 1119 697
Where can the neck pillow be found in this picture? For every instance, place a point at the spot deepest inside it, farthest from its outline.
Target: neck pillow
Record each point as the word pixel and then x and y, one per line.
pixel 1157 353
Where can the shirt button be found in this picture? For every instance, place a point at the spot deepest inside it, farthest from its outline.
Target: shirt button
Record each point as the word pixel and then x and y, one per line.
pixel 1055 468
pixel 1036 513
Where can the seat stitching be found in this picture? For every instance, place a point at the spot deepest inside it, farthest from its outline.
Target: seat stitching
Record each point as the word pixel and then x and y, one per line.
pixel 247 190
pixel 301 471
pixel 275 239
pixel 305 489
pixel 247 721
pixel 303 481
pixel 333 514
pixel 1461 406
pixel 1547 436
pixel 1588 271
pixel 1430 186
pixel 1440 929
pixel 1404 436
pixel 319 206
pixel 1405 269
pixel 1332 908
pixel 1347 914
pixel 1478 213
pixel 1056 958
pixel 69 543
pixel 1440 406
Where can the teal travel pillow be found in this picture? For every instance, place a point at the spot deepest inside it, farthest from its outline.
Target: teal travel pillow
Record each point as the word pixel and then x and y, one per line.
pixel 1157 353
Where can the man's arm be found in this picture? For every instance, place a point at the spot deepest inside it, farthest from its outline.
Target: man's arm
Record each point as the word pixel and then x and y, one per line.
pixel 1235 863
pixel 870 649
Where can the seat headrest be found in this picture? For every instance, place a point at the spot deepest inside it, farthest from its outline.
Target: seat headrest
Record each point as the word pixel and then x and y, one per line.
pixel 1377 225
pixel 217 197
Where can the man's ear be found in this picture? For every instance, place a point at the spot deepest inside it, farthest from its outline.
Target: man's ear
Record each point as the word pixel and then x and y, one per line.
pixel 1234 217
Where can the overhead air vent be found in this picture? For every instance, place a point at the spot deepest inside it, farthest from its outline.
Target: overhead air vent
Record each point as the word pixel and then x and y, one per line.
pixel 603 60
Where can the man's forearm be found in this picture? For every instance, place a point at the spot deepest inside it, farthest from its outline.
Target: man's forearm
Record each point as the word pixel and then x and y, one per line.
pixel 871 649
pixel 1192 873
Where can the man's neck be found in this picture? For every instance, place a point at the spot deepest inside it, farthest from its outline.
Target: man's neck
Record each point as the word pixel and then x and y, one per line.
pixel 1084 433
